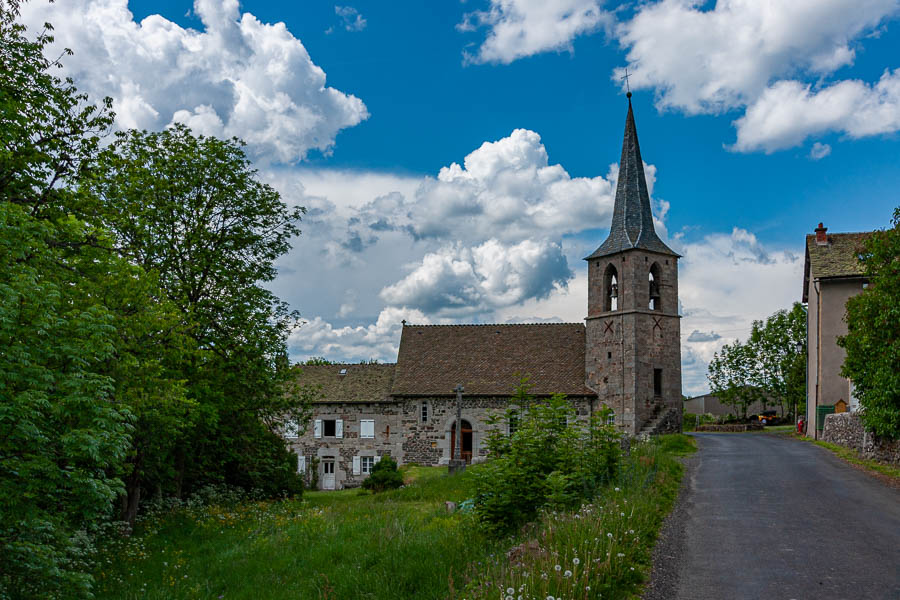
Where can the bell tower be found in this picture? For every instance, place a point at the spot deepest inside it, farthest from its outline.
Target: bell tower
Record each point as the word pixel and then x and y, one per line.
pixel 633 330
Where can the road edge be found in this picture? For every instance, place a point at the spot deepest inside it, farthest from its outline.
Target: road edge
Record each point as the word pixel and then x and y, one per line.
pixel 669 548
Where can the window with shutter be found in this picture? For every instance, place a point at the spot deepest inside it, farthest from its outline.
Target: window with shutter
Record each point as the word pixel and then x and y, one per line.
pixel 367 463
pixel 339 428
pixel 367 428
pixel 356 467
pixel 317 428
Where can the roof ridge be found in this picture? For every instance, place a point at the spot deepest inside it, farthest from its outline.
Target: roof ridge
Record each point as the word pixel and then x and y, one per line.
pixel 488 324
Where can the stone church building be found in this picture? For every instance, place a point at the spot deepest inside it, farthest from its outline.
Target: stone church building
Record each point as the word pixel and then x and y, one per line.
pixel 625 356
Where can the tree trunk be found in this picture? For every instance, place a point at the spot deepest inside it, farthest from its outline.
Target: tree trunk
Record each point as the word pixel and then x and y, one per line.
pixel 132 498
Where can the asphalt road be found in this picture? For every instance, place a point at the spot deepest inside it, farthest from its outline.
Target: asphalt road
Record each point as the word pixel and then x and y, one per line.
pixel 768 517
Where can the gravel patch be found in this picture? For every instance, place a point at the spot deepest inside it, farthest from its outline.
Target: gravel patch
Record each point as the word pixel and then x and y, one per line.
pixel 669 549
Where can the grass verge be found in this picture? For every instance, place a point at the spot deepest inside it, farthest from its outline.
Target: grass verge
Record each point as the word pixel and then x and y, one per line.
pixel 852 456
pixel 601 551
pixel 401 544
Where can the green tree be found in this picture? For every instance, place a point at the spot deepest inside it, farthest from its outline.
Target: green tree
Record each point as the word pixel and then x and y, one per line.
pixel 872 342
pixel 732 375
pixel 191 212
pixel 780 368
pixel 62 433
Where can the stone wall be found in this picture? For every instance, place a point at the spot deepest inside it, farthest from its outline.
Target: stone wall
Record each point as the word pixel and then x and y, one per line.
pixel 846 429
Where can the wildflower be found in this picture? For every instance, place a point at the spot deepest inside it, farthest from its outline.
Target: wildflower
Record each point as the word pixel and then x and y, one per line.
pixel 575 561
pixel 510 591
pixel 632 568
pixel 621 514
pixel 587 588
pixel 509 598
pixel 617 489
pixel 558 568
pixel 609 535
pixel 568 573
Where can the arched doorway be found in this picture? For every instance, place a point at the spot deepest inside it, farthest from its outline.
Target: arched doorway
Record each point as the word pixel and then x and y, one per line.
pixel 466 444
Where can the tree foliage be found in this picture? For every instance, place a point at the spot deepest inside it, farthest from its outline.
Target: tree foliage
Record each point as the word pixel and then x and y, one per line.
pixel 872 342
pixel 767 367
pixel 191 212
pixel 139 348
pixel 62 433
pixel 549 461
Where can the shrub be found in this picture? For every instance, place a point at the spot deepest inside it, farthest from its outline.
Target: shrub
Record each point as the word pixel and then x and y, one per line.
pixel 546 462
pixel 384 476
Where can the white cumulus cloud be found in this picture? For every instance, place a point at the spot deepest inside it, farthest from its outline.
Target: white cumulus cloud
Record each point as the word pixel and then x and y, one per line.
pixel 520 28
pixel 467 281
pixel 769 58
pixel 790 111
pixel 238 77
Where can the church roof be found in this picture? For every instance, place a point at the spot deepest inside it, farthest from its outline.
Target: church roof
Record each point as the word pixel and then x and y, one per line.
pixel 357 383
pixel 490 360
pixel 632 222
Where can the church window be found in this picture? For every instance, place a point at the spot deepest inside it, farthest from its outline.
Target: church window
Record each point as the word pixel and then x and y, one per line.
pixel 424 411
pixel 655 299
pixel 657 382
pixel 611 289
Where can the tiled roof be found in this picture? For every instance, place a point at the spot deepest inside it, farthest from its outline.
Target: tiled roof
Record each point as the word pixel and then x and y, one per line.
pixel 361 383
pixel 632 222
pixel 491 359
pixel 838 258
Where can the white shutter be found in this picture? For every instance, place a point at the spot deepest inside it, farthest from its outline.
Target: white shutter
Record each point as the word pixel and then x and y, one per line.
pixel 317 429
pixel 301 465
pixel 356 468
pixel 367 428
pixel 377 458
pixel 339 428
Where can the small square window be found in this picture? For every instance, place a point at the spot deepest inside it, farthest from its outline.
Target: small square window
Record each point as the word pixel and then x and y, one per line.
pixel 367 428
pixel 366 463
pixel 329 427
pixel 609 355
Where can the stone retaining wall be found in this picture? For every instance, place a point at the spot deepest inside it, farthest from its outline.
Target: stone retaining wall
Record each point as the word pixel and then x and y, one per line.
pixel 846 429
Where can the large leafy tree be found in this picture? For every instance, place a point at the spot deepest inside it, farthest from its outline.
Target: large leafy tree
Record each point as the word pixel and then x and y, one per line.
pixel 780 366
pixel 873 334
pixel 62 432
pixel 191 211
pixel 768 367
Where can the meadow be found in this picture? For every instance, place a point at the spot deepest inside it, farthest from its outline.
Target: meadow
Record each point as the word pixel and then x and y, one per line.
pixel 400 544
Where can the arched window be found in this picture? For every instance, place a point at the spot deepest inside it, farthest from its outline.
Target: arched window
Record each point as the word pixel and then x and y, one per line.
pixel 655 299
pixel 611 289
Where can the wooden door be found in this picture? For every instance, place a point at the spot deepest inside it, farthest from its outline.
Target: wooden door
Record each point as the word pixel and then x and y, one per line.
pixel 466 449
pixel 327 474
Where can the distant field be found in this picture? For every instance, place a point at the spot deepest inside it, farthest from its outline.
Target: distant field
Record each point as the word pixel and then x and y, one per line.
pixel 351 544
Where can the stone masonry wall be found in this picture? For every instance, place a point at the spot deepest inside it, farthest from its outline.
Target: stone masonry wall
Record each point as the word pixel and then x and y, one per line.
pixel 846 429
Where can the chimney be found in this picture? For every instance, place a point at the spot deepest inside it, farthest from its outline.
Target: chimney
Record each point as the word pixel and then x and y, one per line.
pixel 821 238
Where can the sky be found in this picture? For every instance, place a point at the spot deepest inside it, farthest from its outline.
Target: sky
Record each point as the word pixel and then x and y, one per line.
pixel 457 159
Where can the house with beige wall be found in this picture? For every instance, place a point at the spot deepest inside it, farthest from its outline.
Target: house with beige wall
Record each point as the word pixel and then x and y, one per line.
pixel 832 275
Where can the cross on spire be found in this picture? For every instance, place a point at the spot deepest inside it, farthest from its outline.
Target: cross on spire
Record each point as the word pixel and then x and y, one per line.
pixel 627 86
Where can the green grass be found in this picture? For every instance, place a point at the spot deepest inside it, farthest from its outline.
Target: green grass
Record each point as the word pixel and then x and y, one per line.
pixel 852 456
pixel 345 544
pixel 400 544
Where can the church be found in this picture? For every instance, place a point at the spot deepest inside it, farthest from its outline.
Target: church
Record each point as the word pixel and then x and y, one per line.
pixel 625 356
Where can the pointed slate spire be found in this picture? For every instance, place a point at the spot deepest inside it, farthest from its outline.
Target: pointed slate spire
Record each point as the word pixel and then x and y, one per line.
pixel 632 222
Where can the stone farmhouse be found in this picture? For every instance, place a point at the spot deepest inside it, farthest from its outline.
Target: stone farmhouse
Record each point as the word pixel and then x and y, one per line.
pixel 625 356
pixel 831 276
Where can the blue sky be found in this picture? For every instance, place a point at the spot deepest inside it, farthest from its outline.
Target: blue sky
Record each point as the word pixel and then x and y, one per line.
pixel 758 121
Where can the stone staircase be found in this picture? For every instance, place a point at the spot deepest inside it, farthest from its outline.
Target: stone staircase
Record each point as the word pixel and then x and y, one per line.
pixel 660 422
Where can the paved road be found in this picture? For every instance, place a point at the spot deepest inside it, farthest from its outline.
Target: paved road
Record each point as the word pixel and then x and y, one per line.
pixel 767 517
